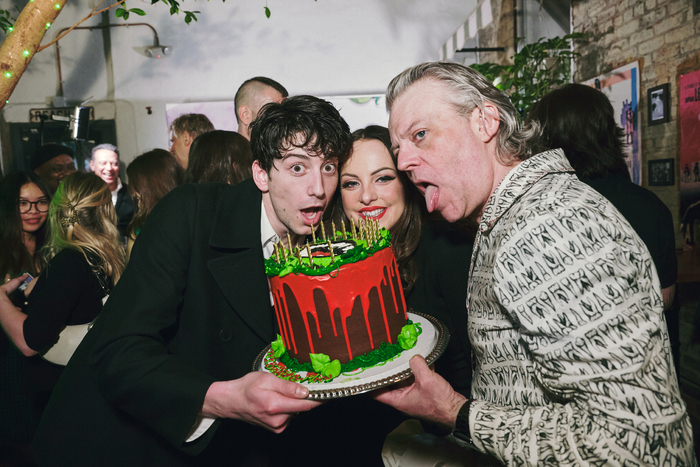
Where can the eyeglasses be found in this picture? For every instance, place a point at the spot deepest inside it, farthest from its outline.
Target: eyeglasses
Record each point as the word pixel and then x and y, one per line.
pixel 25 206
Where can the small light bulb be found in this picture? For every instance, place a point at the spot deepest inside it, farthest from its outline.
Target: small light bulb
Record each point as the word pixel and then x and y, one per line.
pixel 48 25
pixel 11 29
pixel 8 74
pixel 25 53
pixel 58 6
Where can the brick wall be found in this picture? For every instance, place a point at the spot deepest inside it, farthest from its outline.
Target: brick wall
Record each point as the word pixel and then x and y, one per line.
pixel 662 36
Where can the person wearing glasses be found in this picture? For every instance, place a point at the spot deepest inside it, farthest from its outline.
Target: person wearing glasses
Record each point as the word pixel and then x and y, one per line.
pixel 24 202
pixel 83 258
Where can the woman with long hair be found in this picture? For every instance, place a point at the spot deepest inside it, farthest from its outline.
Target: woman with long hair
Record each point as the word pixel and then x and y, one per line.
pixel 433 259
pixel 24 205
pixel 219 156
pixel 433 256
pixel 83 260
pixel 151 176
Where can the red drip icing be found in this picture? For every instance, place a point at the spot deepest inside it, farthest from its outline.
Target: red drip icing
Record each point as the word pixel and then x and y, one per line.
pixel 353 281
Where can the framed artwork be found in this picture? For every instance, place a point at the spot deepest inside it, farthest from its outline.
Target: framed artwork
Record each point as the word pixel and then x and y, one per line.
pixel 661 172
pixel 621 86
pixel 657 104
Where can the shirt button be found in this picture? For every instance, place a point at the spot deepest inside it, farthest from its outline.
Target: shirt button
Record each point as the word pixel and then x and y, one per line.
pixel 225 335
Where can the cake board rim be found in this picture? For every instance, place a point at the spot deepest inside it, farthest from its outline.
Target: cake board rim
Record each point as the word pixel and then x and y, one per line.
pixel 431 344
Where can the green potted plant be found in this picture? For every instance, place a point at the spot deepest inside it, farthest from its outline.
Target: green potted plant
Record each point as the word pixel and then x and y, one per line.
pixel 537 69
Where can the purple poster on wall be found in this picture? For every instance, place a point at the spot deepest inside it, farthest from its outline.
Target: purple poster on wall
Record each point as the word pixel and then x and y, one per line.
pixel 622 88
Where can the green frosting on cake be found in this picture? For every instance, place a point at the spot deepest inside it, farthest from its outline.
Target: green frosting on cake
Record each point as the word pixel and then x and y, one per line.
pixel 321 265
pixel 327 368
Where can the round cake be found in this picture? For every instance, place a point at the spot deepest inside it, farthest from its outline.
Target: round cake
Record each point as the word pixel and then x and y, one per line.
pixel 339 301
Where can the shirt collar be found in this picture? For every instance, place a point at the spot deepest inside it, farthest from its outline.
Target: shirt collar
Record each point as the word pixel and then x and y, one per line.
pixel 519 180
pixel 268 237
pixel 114 193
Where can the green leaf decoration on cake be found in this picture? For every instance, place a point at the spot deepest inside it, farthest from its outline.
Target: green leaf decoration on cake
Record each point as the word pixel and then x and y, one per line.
pixel 408 337
pixel 278 347
pixel 323 365
pixel 294 263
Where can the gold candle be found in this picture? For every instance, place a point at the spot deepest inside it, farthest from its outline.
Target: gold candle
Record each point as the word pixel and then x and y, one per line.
pixel 330 248
pixel 323 232
pixel 313 234
pixel 333 229
pixel 352 227
pixel 308 252
pixel 277 252
pixel 289 242
pixel 284 251
pixel 345 233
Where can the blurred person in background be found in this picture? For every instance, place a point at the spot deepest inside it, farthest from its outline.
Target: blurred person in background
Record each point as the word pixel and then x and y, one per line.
pixel 105 163
pixel 183 131
pixel 24 205
pixel 53 162
pixel 151 176
pixel 251 96
pixel 219 156
pixel 84 260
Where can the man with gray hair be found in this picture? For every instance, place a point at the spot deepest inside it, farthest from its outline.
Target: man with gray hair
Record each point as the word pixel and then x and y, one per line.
pixel 572 358
pixel 251 96
pixel 183 131
pixel 104 161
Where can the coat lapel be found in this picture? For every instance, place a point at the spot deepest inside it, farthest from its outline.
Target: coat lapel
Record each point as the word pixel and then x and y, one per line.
pixel 239 271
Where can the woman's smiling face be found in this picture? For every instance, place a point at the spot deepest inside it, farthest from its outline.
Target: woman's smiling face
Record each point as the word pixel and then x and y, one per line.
pixel 33 219
pixel 370 186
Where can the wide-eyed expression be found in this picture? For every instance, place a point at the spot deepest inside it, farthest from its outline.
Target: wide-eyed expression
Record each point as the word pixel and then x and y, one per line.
pixel 370 186
pixel 297 191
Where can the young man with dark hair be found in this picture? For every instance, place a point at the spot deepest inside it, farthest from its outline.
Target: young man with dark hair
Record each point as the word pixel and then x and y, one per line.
pixel 164 376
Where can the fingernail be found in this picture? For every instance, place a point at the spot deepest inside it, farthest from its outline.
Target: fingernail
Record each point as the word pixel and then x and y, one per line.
pixel 302 391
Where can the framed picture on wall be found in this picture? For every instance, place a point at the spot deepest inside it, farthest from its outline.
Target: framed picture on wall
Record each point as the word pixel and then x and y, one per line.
pixel 658 106
pixel 661 172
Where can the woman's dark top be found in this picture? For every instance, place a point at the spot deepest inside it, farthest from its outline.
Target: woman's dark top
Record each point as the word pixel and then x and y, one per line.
pixel 443 257
pixel 649 217
pixel 66 293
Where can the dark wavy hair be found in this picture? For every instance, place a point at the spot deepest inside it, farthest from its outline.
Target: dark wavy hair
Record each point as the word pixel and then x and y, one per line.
pixel 151 176
pixel 580 120
pixel 219 156
pixel 14 256
pixel 299 122
pixel 406 233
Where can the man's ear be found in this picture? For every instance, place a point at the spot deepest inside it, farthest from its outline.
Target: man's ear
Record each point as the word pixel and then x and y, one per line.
pixel 260 177
pixel 487 121
pixel 92 165
pixel 245 115
pixel 187 138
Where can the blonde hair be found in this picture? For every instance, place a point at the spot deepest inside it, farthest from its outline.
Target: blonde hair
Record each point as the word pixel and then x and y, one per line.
pixel 82 217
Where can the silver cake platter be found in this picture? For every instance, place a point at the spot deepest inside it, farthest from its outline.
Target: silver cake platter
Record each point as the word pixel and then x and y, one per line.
pixel 431 344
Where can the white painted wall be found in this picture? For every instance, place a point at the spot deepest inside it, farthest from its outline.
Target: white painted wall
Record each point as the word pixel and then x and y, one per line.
pixel 323 47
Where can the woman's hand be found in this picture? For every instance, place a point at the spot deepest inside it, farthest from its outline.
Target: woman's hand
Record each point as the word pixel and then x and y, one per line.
pixel 11 285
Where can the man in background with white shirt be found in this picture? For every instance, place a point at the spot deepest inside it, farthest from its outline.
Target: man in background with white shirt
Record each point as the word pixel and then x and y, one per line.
pixel 104 161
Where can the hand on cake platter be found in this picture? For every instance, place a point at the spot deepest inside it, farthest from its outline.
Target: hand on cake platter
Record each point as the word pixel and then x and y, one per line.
pixel 428 397
pixel 259 399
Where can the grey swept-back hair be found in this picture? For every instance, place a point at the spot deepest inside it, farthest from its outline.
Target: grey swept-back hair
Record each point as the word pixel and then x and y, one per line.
pixel 469 90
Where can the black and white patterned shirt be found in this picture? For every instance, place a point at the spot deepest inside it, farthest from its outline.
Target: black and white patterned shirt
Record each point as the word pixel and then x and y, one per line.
pixel 572 358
